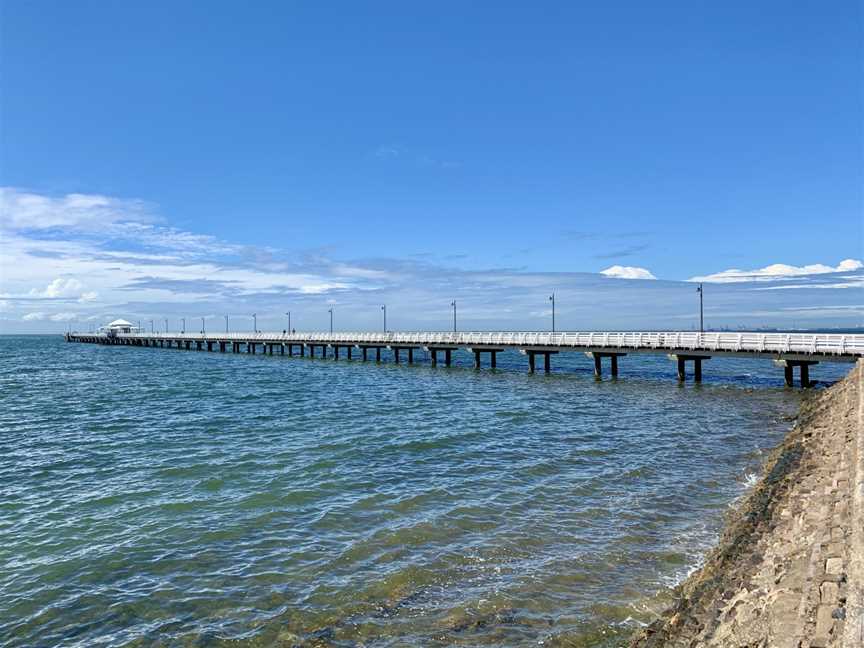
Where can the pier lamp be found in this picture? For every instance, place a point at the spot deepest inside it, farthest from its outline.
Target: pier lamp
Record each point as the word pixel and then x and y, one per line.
pixel 183 329
pixel 552 299
pixel 453 304
pixel 139 326
pixel 255 322
pixel 166 325
pixel 289 320
pixel 384 308
pixel 202 326
pixel 701 320
pixel 151 327
pixel 331 319
pixel 226 323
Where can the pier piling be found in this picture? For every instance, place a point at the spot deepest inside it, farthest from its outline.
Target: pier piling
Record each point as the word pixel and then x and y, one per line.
pixel 789 371
pixel 682 359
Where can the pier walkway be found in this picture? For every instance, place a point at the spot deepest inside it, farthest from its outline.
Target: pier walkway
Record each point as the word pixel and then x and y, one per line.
pixel 787 350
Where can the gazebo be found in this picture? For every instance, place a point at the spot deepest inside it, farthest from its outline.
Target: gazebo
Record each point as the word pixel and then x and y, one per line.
pixel 118 326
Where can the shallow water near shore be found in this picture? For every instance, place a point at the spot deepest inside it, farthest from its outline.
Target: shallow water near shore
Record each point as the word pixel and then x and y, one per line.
pixel 205 499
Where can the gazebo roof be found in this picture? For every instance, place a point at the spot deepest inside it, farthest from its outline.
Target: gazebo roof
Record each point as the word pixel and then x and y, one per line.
pixel 119 323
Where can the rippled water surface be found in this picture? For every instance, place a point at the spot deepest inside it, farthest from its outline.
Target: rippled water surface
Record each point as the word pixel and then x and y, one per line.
pixel 155 496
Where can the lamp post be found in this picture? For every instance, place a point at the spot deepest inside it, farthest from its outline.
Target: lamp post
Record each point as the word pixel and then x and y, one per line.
pixel 255 322
pixel 226 323
pixel 384 308
pixel 151 327
pixel 166 325
pixel 202 326
pixel 552 299
pixel 701 319
pixel 453 304
pixel 183 328
pixel 331 319
pixel 139 326
pixel 289 320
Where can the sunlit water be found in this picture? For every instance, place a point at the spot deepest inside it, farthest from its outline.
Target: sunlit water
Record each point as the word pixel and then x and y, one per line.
pixel 155 496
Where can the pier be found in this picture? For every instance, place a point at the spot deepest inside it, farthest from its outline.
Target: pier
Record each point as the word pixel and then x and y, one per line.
pixel 789 351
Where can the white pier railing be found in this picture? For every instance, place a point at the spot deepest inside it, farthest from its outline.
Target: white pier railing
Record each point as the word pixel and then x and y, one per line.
pixel 723 342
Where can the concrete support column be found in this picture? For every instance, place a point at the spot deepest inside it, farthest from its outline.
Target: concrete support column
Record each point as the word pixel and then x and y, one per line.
pixel 282 349
pixel 377 354
pixel 476 359
pixel 188 345
pixel 531 362
pixel 434 357
pixel 336 352
pixel 681 361
pixel 364 351
pixel 396 355
pixel 493 359
pixel 349 352
pixel 448 357
pixel 209 346
pixel 614 366
pixel 302 350
pixel 410 355
pixel 547 362
pixel 598 366
pixel 789 370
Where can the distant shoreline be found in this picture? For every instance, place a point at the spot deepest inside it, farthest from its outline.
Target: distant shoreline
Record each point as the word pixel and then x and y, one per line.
pixel 789 567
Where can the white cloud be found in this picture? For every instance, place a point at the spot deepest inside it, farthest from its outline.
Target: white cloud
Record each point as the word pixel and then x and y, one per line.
pixel 59 288
pixel 88 297
pixel 627 272
pixel 779 271
pixel 33 317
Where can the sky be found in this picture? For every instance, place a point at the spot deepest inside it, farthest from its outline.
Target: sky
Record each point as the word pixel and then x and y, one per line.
pixel 202 159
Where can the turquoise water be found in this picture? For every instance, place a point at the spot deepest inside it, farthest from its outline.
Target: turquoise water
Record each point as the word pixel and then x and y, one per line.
pixel 166 497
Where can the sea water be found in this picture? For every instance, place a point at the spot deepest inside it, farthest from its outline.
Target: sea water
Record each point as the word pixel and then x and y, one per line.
pixel 166 497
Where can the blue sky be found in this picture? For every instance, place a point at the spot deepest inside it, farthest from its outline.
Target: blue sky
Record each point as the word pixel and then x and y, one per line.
pixel 186 159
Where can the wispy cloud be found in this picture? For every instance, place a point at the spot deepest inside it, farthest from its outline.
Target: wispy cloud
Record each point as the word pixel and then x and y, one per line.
pixel 386 151
pixel 22 210
pixel 406 155
pixel 630 250
pixel 137 266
